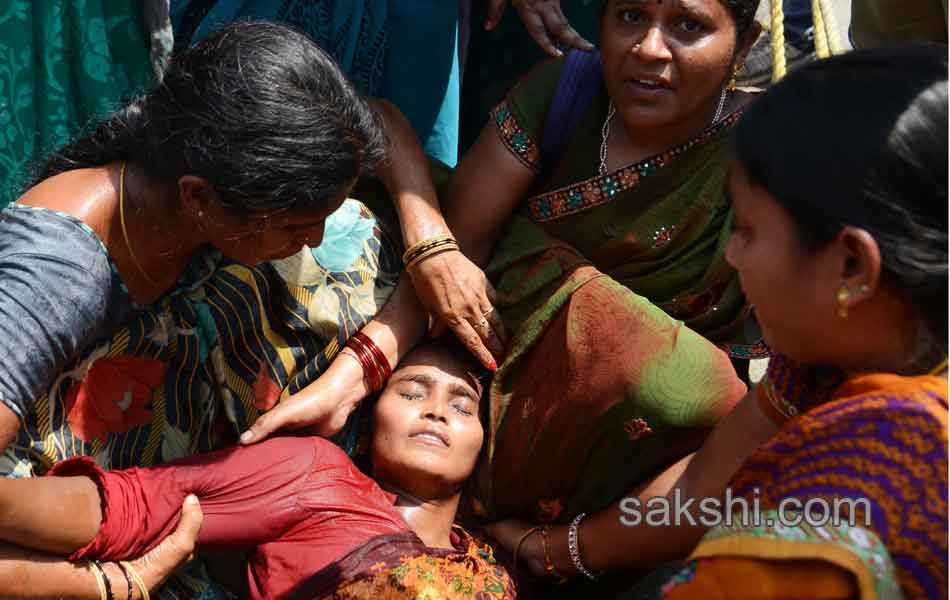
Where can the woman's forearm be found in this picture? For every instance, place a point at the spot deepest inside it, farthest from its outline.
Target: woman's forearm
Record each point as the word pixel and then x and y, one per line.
pixel 29 574
pixel 53 514
pixel 479 197
pixel 483 191
pixel 401 323
pixel 407 178
pixel 609 540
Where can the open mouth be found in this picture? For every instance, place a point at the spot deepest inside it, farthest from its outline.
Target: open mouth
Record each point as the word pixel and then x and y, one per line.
pixel 431 437
pixel 653 85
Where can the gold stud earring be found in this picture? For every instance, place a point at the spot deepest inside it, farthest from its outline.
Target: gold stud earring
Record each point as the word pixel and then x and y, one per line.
pixel 733 84
pixel 843 296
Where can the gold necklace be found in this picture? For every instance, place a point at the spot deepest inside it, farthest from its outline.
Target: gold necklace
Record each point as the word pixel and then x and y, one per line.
pixel 125 234
pixel 611 110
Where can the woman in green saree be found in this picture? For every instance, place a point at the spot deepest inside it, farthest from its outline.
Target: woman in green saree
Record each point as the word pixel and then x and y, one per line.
pixel 609 269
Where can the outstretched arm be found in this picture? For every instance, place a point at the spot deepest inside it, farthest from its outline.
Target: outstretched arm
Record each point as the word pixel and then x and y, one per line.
pixel 249 496
pixel 607 544
pixel 451 287
pixel 26 573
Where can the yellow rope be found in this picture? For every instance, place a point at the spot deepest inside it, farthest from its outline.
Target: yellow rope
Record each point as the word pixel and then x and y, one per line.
pixel 831 27
pixel 821 35
pixel 827 41
pixel 778 40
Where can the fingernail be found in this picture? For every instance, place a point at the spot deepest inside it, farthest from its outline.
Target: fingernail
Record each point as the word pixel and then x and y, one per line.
pixel 191 499
pixel 493 366
pixel 246 436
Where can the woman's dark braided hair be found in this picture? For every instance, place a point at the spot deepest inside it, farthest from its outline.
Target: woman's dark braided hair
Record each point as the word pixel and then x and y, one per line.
pixel 257 110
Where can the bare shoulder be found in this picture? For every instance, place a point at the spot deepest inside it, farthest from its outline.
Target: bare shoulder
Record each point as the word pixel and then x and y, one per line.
pixel 89 195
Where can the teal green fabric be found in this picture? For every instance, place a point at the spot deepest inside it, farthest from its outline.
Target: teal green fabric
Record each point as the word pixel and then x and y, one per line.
pixel 352 31
pixel 63 65
pixel 422 75
pixel 406 51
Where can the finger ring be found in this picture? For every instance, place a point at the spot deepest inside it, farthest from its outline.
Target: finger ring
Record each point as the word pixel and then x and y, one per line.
pixel 483 323
pixel 488 312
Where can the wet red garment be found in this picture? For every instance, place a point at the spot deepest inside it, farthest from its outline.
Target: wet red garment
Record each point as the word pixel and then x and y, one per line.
pixel 300 502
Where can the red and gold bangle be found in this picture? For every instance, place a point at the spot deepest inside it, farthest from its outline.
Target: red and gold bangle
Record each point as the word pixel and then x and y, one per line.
pixel 428 247
pixel 376 367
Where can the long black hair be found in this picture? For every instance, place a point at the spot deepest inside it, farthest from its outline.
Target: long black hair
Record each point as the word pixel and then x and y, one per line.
pixel 257 110
pixel 861 140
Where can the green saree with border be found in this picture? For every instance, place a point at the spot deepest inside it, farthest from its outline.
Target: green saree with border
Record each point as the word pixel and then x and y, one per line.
pixel 623 313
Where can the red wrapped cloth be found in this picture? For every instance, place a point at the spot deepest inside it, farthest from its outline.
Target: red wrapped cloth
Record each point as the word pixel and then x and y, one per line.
pixel 298 501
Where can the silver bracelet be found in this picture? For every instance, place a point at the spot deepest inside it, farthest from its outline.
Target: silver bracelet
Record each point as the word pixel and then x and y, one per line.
pixel 572 547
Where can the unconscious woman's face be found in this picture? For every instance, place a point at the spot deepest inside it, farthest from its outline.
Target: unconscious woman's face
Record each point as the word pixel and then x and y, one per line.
pixel 427 433
pixel 666 61
pixel 791 287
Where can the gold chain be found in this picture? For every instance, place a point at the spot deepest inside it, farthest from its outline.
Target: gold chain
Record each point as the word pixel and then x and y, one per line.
pixel 125 234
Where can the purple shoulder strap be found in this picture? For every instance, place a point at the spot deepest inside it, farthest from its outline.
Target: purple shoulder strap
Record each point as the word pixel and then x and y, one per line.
pixel 580 82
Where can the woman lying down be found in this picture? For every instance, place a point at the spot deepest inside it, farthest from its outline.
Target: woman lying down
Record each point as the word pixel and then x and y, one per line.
pixel 317 525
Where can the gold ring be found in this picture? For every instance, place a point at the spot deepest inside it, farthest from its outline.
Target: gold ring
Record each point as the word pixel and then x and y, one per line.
pixel 488 312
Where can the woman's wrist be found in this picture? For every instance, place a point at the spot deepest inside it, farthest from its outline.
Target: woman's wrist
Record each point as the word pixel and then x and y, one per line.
pixel 560 553
pixel 420 220
pixel 113 581
pixel 346 375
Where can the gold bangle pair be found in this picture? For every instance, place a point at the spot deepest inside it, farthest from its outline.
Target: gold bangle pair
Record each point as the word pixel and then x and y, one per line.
pixel 428 247
pixel 105 588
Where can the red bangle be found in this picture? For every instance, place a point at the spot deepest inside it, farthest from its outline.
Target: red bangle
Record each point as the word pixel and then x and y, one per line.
pixel 370 373
pixel 376 368
pixel 382 363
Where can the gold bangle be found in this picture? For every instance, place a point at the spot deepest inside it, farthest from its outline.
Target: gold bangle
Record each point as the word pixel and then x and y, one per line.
pixel 521 540
pixel 432 252
pixel 143 589
pixel 429 250
pixel 96 571
pixel 410 255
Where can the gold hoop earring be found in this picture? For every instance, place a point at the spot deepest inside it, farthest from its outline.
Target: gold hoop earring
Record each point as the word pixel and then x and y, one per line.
pixel 843 295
